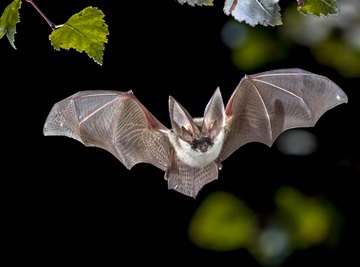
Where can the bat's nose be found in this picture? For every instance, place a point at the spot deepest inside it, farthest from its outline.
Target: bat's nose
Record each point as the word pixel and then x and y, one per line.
pixel 204 147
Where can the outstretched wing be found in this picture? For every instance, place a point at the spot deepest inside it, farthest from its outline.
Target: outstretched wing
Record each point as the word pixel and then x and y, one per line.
pixel 114 121
pixel 266 104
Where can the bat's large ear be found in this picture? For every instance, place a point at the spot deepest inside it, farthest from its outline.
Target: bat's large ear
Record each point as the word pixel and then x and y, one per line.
pixel 214 116
pixel 181 121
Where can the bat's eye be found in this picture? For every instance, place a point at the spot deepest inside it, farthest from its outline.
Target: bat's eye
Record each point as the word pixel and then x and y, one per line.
pixel 202 144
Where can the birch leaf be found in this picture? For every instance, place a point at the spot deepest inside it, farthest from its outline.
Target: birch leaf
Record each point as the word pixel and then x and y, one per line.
pixel 84 31
pixel 197 2
pixel 253 12
pixel 8 20
pixel 319 7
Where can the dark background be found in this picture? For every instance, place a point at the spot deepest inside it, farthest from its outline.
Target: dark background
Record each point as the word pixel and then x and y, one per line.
pixel 64 202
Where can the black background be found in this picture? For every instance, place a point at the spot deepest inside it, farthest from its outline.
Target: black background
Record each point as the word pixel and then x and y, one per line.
pixel 64 202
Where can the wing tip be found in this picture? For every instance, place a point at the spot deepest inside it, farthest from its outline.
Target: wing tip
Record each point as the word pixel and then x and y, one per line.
pixel 342 98
pixel 46 131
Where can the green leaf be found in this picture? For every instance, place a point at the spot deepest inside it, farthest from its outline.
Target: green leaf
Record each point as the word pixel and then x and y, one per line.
pixel 222 222
pixel 8 21
pixel 319 7
pixel 84 31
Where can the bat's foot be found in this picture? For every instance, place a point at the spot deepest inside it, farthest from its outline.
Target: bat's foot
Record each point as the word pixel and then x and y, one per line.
pixel 171 163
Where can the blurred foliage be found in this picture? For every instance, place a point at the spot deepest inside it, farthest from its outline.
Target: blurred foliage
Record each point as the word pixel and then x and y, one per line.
pixel 8 21
pixel 333 41
pixel 223 222
pixel 252 47
pixel 309 221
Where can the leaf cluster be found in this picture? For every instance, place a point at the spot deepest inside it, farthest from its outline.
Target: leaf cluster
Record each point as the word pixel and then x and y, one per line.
pixel 85 31
pixel 267 12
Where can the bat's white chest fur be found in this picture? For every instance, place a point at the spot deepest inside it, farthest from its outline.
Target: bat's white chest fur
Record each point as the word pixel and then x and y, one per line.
pixel 193 158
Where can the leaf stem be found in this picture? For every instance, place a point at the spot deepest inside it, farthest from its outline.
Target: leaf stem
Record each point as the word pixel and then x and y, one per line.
pixel 51 24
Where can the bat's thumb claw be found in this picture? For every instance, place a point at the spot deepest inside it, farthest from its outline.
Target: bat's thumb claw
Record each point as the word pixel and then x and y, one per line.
pixel 219 165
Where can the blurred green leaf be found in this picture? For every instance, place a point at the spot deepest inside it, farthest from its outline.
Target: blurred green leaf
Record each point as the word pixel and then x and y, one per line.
pixel 340 56
pixel 222 222
pixel 8 21
pixel 84 31
pixel 319 7
pixel 258 48
pixel 197 2
pixel 309 220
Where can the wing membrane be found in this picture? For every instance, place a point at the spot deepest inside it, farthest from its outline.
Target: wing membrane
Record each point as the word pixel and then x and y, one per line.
pixel 114 121
pixel 266 104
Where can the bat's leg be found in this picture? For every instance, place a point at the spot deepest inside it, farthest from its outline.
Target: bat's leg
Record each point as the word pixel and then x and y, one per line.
pixel 171 163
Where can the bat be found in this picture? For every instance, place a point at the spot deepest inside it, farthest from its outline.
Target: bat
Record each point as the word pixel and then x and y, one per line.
pixel 191 153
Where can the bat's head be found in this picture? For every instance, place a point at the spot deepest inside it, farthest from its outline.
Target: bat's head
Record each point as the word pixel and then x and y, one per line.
pixel 200 133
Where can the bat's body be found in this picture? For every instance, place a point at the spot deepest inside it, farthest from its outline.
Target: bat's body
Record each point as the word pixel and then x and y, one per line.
pixel 198 158
pixel 190 153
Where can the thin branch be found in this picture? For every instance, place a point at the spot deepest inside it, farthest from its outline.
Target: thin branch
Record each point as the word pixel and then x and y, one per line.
pixel 51 24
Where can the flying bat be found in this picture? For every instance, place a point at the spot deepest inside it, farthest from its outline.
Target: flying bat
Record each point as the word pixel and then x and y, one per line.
pixel 191 152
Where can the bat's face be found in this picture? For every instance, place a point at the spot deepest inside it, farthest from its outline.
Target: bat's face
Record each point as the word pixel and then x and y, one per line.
pixel 198 141
pixel 201 144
